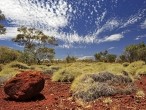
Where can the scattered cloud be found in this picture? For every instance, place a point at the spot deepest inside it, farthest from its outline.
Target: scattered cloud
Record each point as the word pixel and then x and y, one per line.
pixel 52 16
pixel 111 48
pixel 140 37
pixel 37 14
pixel 114 37
pixel 143 25
pixel 11 32
pixel 108 26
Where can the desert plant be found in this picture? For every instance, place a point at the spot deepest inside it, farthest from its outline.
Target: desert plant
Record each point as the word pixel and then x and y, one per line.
pixel 107 100
pixel 1 67
pixel 140 94
pixel 66 74
pixel 92 86
pixel 133 67
pixel 18 65
pixel 125 64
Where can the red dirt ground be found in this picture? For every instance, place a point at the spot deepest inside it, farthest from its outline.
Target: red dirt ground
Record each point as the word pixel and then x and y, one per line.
pixel 56 96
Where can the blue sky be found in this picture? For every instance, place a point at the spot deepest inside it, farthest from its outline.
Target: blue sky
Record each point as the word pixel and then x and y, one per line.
pixel 82 27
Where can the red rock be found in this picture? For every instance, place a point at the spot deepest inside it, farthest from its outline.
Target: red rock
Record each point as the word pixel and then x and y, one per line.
pixel 25 85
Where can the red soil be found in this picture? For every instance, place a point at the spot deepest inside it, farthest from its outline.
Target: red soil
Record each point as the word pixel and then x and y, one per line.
pixel 56 96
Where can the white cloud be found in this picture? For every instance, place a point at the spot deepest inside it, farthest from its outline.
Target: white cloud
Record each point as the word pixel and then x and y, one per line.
pixel 35 13
pixel 11 32
pixel 111 48
pixel 114 37
pixel 140 37
pixel 109 25
pixel 143 25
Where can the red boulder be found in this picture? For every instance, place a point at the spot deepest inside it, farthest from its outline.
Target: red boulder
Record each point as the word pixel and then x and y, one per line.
pixel 25 85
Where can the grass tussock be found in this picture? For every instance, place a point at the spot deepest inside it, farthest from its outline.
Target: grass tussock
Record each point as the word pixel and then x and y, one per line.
pixel 66 75
pixel 89 87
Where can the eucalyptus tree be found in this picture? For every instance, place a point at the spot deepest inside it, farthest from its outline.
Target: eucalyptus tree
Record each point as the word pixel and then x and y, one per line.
pixel 2 28
pixel 35 42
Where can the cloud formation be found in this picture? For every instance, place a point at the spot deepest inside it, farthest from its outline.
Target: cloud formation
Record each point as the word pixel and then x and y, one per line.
pixel 143 25
pixel 55 16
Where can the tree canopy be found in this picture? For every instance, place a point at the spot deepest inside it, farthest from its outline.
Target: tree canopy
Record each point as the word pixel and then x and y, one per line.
pixel 2 28
pixel 35 43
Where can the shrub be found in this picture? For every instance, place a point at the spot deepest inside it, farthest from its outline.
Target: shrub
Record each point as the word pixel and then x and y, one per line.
pixel 5 78
pixel 125 64
pixel 7 54
pixel 66 74
pixel 140 94
pixel 19 65
pixel 133 67
pixel 0 67
pixel 107 100
pixel 92 86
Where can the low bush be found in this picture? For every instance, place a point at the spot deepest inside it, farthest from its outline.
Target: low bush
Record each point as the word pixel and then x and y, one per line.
pixel 125 64
pixel 133 67
pixel 92 86
pixel 5 78
pixel 66 74
pixel 19 65
pixel 1 67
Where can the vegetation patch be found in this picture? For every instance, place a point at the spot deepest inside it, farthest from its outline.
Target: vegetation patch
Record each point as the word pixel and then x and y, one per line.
pixel 19 65
pixel 89 87
pixel 66 74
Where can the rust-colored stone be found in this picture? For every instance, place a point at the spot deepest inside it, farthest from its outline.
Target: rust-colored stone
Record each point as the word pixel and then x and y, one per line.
pixel 25 85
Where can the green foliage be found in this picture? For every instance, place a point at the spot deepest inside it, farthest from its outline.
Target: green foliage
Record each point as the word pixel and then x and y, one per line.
pixel 35 44
pixel 135 52
pixel 89 87
pixel 2 28
pixel 134 67
pixel 18 65
pixel 7 54
pixel 105 57
pixel 70 59
pixel 45 53
pixel 66 74
pixel 27 58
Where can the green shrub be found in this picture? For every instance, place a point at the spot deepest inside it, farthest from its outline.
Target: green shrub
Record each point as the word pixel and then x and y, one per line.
pixel 133 67
pixel 7 54
pixel 89 87
pixel 19 65
pixel 125 64
pixel 66 74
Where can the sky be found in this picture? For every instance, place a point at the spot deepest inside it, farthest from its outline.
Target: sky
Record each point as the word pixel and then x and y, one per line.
pixel 81 27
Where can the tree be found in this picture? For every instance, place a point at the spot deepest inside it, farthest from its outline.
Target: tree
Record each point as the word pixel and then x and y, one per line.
pixel 135 52
pixel 97 56
pixel 7 54
pixel 70 59
pixel 111 58
pixel 2 28
pixel 34 41
pixel 105 56
pixel 45 53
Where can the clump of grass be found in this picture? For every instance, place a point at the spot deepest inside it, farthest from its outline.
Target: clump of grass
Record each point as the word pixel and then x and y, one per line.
pixel 5 78
pixel 66 74
pixel 18 65
pixel 1 67
pixel 140 94
pixel 107 100
pixel 125 64
pixel 92 86
pixel 133 67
